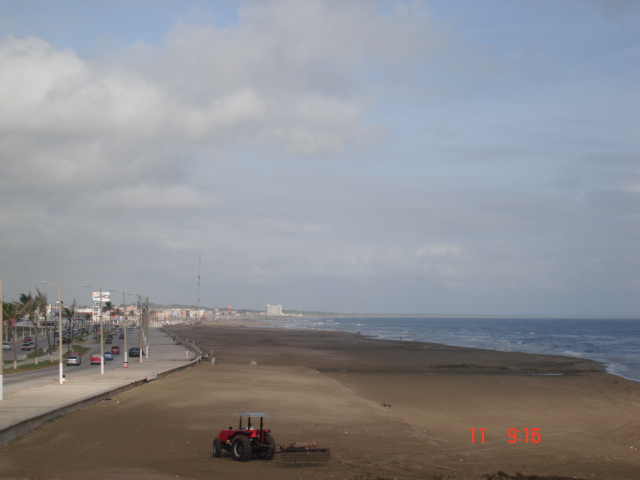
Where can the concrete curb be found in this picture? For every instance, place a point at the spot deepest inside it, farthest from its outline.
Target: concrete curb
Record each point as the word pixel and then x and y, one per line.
pixel 16 425
pixel 22 426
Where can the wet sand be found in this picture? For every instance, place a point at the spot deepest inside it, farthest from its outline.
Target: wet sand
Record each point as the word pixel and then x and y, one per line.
pixel 387 409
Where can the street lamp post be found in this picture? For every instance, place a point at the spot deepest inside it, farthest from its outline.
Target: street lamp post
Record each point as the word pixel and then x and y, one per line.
pixel 60 368
pixel 140 331
pixel 1 351
pixel 124 306
pixel 101 335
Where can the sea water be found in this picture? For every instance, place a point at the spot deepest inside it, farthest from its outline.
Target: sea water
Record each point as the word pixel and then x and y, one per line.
pixel 613 342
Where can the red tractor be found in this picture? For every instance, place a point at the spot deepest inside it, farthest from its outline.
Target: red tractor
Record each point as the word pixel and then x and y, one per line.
pixel 245 442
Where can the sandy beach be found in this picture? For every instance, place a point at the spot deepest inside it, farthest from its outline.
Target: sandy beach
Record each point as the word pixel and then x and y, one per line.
pixel 387 410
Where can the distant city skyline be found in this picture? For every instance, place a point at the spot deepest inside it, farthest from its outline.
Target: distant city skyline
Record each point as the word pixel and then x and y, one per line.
pixel 462 158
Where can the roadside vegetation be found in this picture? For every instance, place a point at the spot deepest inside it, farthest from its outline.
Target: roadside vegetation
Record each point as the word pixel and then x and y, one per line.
pixel 35 308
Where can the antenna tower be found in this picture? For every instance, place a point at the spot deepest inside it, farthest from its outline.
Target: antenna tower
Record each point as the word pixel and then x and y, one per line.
pixel 198 314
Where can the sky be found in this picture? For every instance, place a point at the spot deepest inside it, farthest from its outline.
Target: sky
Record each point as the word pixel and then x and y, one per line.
pixel 436 157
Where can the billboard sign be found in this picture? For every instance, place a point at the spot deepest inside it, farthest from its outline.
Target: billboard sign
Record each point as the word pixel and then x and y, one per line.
pixel 106 297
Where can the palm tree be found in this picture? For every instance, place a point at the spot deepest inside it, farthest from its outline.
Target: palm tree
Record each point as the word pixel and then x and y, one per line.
pixel 28 307
pixel 117 313
pixel 107 307
pixel 69 313
pixel 10 314
pixel 41 306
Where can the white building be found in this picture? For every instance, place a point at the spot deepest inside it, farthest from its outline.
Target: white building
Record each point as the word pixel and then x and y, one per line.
pixel 273 310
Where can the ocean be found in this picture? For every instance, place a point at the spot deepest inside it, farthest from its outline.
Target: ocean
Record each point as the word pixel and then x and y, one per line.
pixel 612 342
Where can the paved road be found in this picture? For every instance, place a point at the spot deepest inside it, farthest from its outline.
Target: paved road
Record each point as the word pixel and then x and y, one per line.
pixel 14 382
pixel 32 398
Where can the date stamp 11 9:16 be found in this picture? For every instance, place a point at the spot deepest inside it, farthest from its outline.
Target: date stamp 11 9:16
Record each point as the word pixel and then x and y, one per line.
pixel 525 435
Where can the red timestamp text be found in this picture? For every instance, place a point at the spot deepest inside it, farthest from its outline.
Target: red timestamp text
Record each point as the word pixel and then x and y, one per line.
pixel 528 435
pixel 515 435
pixel 473 435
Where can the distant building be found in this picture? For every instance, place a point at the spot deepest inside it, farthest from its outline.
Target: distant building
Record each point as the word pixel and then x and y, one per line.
pixel 273 310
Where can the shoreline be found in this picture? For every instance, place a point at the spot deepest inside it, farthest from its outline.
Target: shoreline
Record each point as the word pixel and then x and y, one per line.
pixel 377 404
pixel 610 365
pixel 587 416
pixel 522 363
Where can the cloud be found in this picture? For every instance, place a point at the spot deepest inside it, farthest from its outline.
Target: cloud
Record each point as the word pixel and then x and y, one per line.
pixel 343 155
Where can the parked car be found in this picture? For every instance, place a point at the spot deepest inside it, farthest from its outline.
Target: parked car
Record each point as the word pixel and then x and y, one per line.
pixel 134 352
pixel 96 359
pixel 108 355
pixel 6 346
pixel 115 350
pixel 74 359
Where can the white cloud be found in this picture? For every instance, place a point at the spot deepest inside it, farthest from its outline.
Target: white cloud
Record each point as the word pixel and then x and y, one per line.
pixel 314 147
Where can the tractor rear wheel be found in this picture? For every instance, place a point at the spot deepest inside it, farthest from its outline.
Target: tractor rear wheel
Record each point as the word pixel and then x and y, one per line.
pixel 217 447
pixel 241 448
pixel 267 453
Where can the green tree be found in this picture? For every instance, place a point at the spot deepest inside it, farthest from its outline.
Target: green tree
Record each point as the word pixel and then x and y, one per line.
pixel 69 314
pixel 10 312
pixel 41 306
pixel 9 316
pixel 28 308
pixel 107 307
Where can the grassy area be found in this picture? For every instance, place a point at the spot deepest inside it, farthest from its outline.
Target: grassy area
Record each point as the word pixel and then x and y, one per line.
pixel 30 366
pixel 46 363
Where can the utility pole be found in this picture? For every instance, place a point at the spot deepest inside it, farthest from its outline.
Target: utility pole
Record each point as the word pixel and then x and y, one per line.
pixel 1 351
pixel 198 314
pixel 101 337
pixel 101 332
pixel 60 367
pixel 145 324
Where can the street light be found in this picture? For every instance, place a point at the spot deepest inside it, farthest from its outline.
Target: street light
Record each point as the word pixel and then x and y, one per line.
pixel 1 338
pixel 61 376
pixel 140 332
pixel 101 334
pixel 124 306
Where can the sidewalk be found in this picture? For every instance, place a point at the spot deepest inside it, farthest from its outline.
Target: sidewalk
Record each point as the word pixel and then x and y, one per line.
pixel 27 409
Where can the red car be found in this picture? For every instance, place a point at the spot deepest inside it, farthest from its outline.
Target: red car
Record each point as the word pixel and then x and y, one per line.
pixel 96 359
pixel 115 350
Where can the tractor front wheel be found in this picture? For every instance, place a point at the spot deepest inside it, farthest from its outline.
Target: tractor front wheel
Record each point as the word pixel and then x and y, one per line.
pixel 241 448
pixel 267 453
pixel 217 447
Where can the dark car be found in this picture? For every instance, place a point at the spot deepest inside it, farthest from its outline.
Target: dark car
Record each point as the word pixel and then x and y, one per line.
pixel 134 352
pixel 108 340
pixel 121 336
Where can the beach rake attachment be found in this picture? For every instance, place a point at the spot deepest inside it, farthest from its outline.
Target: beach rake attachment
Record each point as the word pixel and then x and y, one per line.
pixel 303 453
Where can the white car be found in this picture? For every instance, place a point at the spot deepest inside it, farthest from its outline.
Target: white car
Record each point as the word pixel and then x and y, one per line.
pixel 74 359
pixel 6 346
